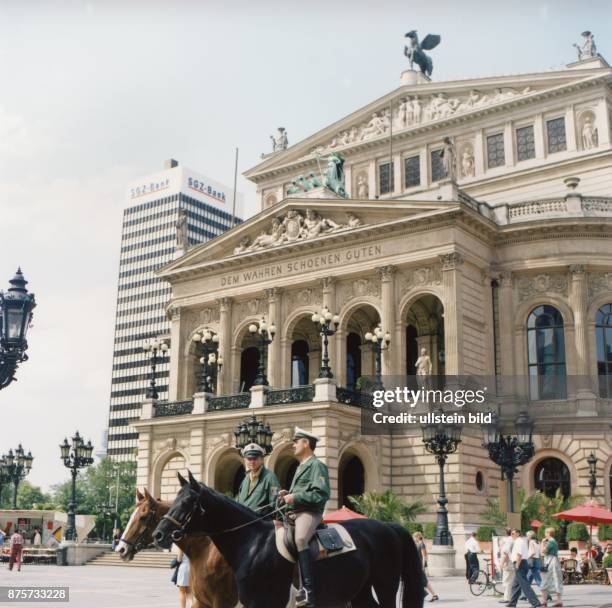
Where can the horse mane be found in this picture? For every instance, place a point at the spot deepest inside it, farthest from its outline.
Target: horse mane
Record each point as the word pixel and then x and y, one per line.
pixel 226 501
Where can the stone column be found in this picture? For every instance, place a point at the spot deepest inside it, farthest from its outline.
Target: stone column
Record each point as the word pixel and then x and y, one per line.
pixel 387 288
pixel 196 451
pixel 143 460
pixel 570 129
pixel 225 344
pixel 274 349
pixel 509 144
pixel 286 363
pixel 175 353
pixel 451 282
pixel 328 285
pixel 538 136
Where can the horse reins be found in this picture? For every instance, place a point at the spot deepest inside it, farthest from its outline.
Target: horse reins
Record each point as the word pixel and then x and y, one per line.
pixel 138 543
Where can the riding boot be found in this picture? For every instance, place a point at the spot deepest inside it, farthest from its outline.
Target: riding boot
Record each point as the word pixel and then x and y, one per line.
pixel 307 575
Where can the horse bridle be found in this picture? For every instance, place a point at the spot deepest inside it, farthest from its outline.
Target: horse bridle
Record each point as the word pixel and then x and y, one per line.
pixel 178 534
pixel 138 543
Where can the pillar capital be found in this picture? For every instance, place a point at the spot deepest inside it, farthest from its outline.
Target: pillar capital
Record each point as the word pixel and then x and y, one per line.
pixel 577 270
pixel 451 261
pixel 386 272
pixel 328 282
pixel 224 303
pixel 272 293
pixel 173 312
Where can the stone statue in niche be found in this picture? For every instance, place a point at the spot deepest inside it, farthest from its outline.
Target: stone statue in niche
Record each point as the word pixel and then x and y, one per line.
pixel 182 242
pixel 588 48
pixel 448 155
pixel 423 369
pixel 280 142
pixel 467 163
pixel 363 190
pixel 589 134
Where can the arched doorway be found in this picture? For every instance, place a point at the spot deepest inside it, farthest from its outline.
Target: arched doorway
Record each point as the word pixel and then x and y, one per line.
pixel 229 473
pixel 550 475
pixel 353 359
pixel 249 360
pixel 351 479
pixel 285 468
pixel 168 481
pixel 300 363
pixel 359 353
pixel 424 329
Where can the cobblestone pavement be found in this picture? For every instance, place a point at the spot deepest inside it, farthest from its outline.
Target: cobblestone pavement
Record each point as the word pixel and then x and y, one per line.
pixel 122 587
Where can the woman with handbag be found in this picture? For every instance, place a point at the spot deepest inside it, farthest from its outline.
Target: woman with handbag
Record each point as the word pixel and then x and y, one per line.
pixel 552 577
pixel 422 549
pixel 180 577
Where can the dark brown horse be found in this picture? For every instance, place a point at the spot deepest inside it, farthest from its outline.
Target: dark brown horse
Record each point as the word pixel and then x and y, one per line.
pixel 211 580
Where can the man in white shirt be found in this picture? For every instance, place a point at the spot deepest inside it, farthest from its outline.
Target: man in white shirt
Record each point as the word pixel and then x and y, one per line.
pixel 518 556
pixel 472 549
pixel 506 565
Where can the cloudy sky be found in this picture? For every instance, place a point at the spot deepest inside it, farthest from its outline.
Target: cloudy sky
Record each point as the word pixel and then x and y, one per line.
pixel 96 93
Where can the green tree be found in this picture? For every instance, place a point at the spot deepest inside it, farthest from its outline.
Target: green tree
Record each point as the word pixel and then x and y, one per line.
pixel 386 506
pixel 30 496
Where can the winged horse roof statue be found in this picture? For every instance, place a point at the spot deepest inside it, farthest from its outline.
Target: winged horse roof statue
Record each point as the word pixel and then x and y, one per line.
pixel 414 50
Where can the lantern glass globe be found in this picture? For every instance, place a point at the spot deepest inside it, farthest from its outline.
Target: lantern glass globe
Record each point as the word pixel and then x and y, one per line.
pixel 197 337
pixel 252 328
pixel 336 319
pixel 368 336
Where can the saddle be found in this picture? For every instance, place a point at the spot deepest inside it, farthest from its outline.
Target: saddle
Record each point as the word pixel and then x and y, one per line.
pixel 329 540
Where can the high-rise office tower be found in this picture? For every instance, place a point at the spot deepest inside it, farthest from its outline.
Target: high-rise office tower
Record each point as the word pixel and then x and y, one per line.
pixel 148 241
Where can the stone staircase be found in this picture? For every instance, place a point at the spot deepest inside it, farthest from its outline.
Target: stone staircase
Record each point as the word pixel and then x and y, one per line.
pixel 144 559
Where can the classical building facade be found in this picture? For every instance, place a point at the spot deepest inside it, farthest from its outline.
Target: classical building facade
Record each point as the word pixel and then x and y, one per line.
pixel 486 255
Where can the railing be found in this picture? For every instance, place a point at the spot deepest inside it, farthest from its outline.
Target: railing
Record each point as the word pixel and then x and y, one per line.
pixel 229 402
pixel 535 208
pixel 351 397
pixel 172 408
pixel 298 394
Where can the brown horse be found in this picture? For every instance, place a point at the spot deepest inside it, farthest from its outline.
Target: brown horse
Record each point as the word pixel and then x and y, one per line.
pixel 211 580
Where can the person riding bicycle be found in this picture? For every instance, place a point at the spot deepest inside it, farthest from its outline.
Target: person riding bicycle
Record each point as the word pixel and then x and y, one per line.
pixel 305 501
pixel 260 486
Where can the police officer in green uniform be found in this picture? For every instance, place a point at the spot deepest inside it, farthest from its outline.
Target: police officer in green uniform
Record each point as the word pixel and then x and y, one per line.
pixel 260 486
pixel 306 499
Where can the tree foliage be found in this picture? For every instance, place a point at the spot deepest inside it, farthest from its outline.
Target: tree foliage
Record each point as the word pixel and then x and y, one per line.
pixel 386 506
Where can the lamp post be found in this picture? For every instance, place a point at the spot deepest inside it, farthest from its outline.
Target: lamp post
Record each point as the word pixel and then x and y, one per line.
pixel 509 451
pixel 156 350
pixel 16 307
pixel 106 511
pixel 252 430
pixel 441 439
pixel 4 474
pixel 211 360
pixel 75 457
pixel 324 321
pixel 592 462
pixel 266 336
pixel 16 467
pixel 381 342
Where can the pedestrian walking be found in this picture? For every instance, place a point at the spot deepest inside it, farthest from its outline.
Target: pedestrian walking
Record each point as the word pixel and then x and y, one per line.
pixel 472 565
pixel 519 556
pixel 506 565
pixel 534 559
pixel 422 549
pixel 182 579
pixel 116 538
pixel 552 577
pixel 16 550
pixel 37 538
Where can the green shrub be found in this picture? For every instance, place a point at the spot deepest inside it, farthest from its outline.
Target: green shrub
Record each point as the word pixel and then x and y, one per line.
pixel 605 532
pixel 485 533
pixel 607 561
pixel 413 526
pixel 577 532
pixel 429 530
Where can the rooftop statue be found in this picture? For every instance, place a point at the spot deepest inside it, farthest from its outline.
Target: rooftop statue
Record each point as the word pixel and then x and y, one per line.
pixel 414 50
pixel 588 49
pixel 280 142
pixel 333 178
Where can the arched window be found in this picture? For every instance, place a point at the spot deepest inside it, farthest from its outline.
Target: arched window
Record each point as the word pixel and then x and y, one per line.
pixel 249 360
pixel 603 334
pixel 299 363
pixel 546 353
pixel 353 359
pixel 550 475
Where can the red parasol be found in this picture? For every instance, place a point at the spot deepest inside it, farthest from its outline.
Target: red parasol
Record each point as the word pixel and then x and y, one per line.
pixel 591 513
pixel 535 523
pixel 341 515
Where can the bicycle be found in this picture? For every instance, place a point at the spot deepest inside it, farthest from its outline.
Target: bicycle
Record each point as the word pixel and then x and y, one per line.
pixel 483 581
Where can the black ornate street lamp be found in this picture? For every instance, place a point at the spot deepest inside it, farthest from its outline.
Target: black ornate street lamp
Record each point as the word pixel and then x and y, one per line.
pixel 381 342
pixel 16 306
pixel 156 349
pixel 592 462
pixel 509 451
pixel 16 467
pixel 266 336
pixel 105 510
pixel 211 360
pixel 75 457
pixel 441 439
pixel 324 321
pixel 252 430
pixel 4 475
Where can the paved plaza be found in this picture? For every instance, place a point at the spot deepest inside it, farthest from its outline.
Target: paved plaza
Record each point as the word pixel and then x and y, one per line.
pixel 124 587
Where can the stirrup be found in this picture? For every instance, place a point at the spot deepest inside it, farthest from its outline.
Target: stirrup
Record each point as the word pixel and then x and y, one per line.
pixel 304 603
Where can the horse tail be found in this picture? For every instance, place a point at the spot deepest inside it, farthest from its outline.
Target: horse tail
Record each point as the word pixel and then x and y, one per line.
pixel 412 576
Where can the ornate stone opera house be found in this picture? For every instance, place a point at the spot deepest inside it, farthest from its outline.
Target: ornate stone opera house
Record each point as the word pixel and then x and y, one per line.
pixel 495 256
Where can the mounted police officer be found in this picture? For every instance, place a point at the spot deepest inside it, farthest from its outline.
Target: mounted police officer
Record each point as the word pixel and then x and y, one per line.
pixel 306 500
pixel 260 486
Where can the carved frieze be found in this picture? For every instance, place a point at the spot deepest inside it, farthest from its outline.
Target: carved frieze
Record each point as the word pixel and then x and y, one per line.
pixel 528 287
pixel 295 226
pixel 304 297
pixel 418 277
pixel 599 282
pixel 358 288
pixel 216 441
pixel 197 318
pixel 251 307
